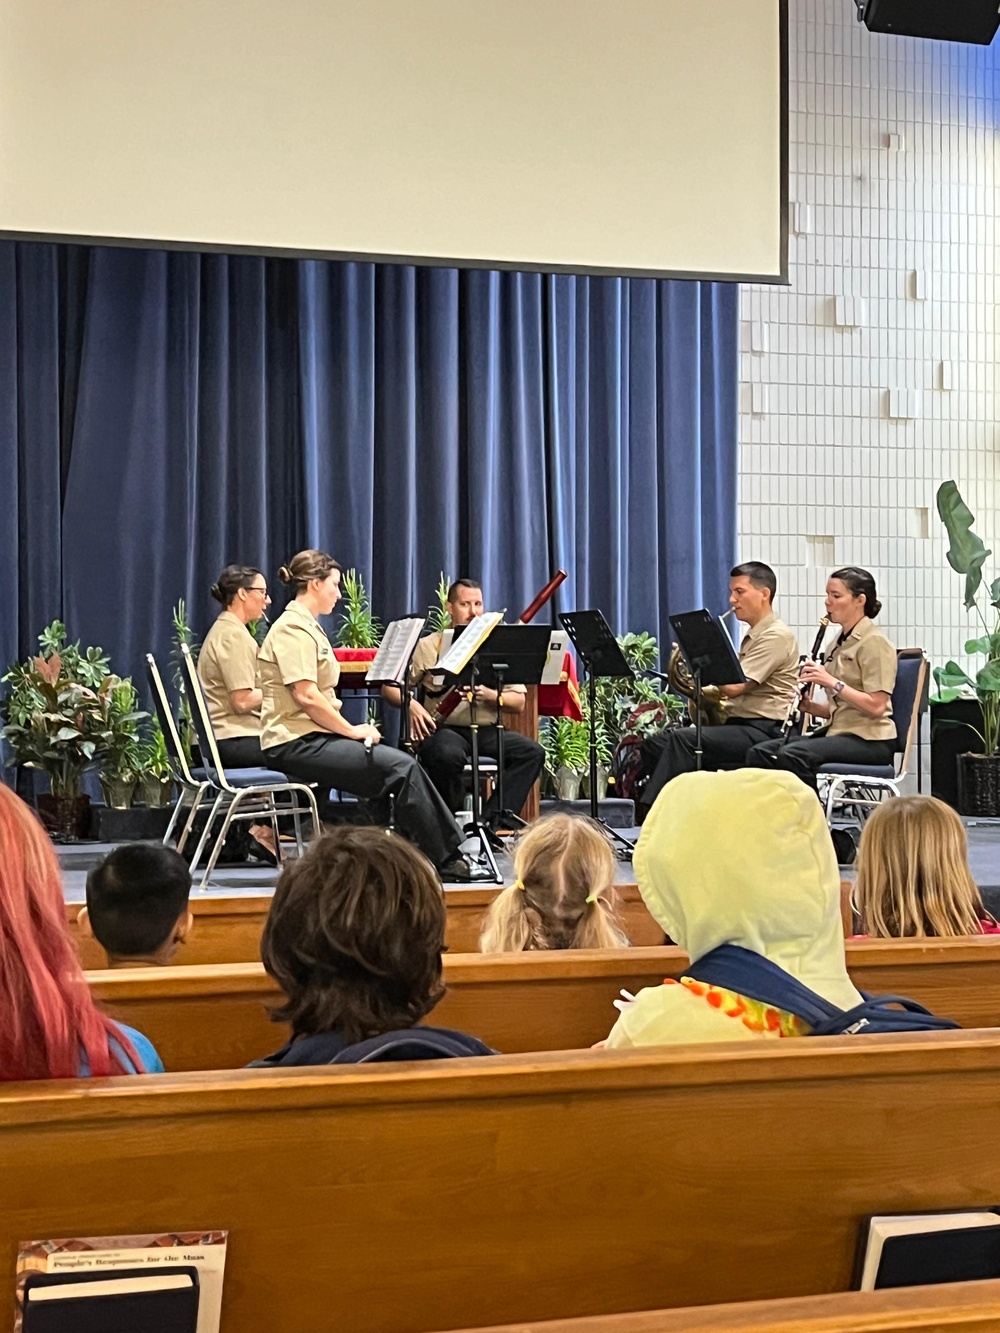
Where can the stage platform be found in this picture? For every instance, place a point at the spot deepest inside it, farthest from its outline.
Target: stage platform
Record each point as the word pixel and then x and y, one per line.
pixel 250 881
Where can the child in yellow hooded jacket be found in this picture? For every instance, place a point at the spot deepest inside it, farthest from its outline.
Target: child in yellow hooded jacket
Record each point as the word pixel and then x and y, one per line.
pixel 740 858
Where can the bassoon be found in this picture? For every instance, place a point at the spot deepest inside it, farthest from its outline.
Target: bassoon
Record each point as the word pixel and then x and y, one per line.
pixel 454 696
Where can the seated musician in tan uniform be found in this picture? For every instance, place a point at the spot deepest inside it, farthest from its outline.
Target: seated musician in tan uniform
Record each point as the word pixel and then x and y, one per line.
pixel 445 743
pixel 769 656
pixel 858 679
pixel 305 735
pixel 227 668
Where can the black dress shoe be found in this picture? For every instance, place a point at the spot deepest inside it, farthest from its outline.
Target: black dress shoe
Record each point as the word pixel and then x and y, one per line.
pixel 261 853
pixel 458 870
pixel 844 845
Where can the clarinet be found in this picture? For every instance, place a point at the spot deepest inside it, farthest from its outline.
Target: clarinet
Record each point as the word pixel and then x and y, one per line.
pixel 804 688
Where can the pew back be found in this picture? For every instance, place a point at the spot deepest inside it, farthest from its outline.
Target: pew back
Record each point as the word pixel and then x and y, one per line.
pixel 474 1192
pixel 215 1018
pixel 959 1307
pixel 228 930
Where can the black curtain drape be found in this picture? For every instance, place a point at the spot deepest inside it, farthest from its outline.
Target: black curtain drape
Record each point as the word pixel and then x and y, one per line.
pixel 162 414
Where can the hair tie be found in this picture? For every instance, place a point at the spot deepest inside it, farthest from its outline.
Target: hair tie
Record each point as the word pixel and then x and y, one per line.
pixel 518 884
pixel 591 898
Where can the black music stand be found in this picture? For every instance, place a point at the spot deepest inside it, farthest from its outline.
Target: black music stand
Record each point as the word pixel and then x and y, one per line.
pixel 711 658
pixel 468 679
pixel 598 650
pixel 512 655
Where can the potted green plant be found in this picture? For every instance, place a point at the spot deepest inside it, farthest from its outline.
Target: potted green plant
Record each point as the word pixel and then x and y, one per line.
pixel 630 708
pixel 978 774
pixel 156 774
pixel 57 719
pixel 437 614
pixel 121 756
pixel 567 755
pixel 358 628
pixel 183 634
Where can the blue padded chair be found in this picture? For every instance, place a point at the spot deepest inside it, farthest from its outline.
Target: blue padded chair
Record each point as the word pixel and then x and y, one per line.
pixel 234 789
pixel 861 787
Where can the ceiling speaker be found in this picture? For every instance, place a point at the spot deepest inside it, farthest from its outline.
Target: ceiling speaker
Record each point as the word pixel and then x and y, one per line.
pixel 945 20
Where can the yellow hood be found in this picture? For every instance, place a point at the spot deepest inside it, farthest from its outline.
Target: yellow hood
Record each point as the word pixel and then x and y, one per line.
pixel 746 858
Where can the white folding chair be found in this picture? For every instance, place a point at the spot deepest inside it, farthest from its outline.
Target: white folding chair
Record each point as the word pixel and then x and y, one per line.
pixel 193 783
pixel 236 789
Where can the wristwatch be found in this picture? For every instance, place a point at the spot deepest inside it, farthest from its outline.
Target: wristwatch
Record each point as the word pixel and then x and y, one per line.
pixel 838 688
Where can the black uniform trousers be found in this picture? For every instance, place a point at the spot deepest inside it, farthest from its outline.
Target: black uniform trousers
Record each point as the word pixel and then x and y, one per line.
pixel 804 755
pixel 242 752
pixel 337 761
pixel 672 752
pixel 446 751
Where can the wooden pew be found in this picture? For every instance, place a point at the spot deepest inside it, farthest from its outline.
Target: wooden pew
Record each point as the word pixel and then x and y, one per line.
pixel 958 1307
pixel 228 930
pixel 465 1193
pixel 214 1018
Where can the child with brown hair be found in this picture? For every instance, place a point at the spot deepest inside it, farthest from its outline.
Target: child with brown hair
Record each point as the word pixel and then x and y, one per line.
pixel 563 897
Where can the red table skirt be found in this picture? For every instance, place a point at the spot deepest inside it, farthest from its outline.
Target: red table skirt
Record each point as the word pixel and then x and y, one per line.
pixel 562 700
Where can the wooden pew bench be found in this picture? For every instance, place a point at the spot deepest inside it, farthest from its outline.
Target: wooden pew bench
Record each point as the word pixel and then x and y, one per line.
pixel 958 1307
pixel 214 1018
pixel 465 1193
pixel 228 930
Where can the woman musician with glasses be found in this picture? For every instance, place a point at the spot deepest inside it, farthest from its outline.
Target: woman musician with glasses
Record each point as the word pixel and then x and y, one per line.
pixel 858 680
pixel 227 668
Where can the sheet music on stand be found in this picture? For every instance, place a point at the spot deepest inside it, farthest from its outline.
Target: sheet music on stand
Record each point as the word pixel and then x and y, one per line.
pixel 390 663
pixel 465 646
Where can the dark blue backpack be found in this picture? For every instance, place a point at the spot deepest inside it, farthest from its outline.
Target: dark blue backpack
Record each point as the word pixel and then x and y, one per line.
pixel 419 1043
pixel 754 976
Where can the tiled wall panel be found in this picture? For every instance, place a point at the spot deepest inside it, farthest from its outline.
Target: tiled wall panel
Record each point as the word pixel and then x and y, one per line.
pixel 873 376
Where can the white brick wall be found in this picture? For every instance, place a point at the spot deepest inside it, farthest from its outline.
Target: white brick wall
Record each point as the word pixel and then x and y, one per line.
pixel 846 424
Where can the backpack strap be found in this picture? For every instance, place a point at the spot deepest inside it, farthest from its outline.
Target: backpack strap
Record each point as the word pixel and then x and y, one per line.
pixel 747 973
pixel 411 1044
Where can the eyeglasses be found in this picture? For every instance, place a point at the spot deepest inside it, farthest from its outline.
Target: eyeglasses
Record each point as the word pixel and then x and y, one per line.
pixel 263 590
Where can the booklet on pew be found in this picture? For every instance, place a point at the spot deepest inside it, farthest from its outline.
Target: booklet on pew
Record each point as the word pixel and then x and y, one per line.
pixel 922 1249
pixel 167 1283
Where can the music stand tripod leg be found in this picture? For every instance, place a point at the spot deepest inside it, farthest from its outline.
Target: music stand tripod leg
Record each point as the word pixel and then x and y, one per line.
pixel 623 844
pixel 487 839
pixel 502 817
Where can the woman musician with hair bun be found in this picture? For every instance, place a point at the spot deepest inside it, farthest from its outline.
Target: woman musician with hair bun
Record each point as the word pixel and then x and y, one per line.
pixel 858 679
pixel 305 735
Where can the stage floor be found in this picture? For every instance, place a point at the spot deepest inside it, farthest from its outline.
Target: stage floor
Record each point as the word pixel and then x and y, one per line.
pixel 252 881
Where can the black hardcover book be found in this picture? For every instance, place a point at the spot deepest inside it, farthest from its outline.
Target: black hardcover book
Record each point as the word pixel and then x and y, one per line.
pixel 124 1300
pixel 924 1249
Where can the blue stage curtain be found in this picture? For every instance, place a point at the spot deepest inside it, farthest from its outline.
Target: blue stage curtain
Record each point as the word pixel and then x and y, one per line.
pixel 162 414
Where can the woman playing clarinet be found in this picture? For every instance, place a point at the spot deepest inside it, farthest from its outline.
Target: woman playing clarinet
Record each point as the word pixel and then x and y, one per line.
pixel 858 680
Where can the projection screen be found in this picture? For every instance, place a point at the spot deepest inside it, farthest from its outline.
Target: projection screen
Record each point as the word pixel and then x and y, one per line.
pixel 631 136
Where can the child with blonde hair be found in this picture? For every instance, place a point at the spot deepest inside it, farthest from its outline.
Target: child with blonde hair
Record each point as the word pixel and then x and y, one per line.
pixel 563 897
pixel 913 873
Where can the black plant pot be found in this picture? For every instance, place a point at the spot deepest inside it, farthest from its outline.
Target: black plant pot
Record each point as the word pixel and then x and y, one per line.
pixel 65 818
pixel 979 785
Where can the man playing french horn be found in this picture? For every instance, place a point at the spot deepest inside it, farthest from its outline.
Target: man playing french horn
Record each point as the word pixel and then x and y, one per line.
pixel 769 656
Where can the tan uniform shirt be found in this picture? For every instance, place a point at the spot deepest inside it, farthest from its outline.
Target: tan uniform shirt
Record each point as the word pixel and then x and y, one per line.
pixel 227 662
pixel 427 652
pixel 296 648
pixel 769 656
pixel 865 660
